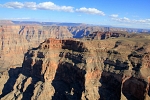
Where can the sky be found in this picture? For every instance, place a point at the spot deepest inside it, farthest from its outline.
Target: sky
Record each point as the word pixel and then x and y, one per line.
pixel 118 13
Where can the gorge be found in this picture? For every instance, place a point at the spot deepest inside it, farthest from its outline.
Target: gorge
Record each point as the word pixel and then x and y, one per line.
pixel 46 62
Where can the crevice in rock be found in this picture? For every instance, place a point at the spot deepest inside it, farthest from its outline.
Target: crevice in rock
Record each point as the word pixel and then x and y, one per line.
pixel 22 85
pixel 28 93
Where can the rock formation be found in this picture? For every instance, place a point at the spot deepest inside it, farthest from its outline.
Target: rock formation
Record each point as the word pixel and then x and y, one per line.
pixel 100 35
pixel 73 69
pixel 84 30
pixel 15 40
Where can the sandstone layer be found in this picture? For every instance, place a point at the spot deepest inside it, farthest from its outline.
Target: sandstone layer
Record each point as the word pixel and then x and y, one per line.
pixel 15 40
pixel 73 69
pixel 17 37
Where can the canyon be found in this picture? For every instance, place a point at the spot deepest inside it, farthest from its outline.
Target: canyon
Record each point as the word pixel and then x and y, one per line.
pixel 17 39
pixel 46 62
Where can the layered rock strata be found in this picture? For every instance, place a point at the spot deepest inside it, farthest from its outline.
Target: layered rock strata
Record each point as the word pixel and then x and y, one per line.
pixel 71 69
pixel 15 40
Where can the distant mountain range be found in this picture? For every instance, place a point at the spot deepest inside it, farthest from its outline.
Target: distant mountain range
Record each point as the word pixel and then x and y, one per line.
pixel 49 23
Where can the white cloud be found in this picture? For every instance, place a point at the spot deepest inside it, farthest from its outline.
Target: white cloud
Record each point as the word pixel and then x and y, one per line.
pixel 52 6
pixel 114 15
pixel 142 21
pixel 34 6
pixel 131 21
pixel 14 5
pixel 90 11
pixel 124 19
pixel 24 18
pixel 30 5
pixel 21 18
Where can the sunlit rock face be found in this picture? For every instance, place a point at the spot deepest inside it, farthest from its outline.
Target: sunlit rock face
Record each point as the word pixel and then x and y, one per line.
pixel 73 69
pixel 15 40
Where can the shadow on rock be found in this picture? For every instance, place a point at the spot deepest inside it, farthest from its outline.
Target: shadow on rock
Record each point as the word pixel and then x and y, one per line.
pixel 111 87
pixel 28 93
pixel 8 86
pixel 68 82
pixel 134 89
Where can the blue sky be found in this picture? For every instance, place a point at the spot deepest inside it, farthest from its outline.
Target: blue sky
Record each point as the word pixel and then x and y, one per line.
pixel 120 13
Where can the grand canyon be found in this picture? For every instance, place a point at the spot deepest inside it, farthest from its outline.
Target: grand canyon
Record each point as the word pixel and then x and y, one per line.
pixel 68 61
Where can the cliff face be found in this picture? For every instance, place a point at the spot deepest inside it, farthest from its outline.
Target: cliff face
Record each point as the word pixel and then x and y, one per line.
pixel 106 32
pixel 105 35
pixel 72 69
pixel 15 40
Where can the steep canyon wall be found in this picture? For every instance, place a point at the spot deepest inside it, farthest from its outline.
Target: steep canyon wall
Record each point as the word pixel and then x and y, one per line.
pixel 15 40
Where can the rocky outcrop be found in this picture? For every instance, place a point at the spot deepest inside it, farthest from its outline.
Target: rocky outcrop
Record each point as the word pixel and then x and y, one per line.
pixel 72 69
pixel 81 31
pixel 100 35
